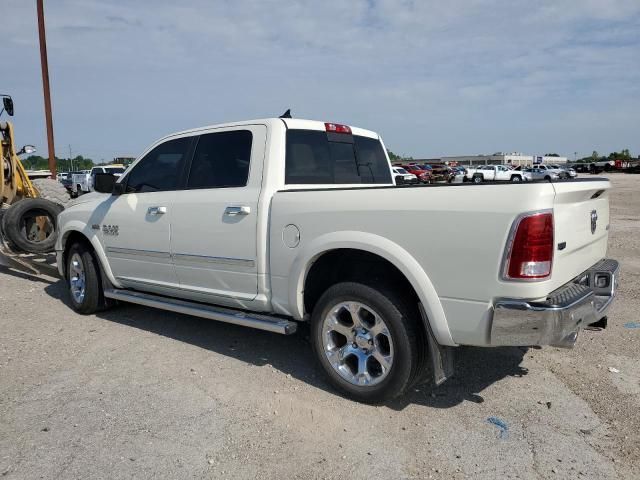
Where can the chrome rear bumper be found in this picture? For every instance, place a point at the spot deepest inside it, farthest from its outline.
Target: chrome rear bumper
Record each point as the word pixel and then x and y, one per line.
pixel 557 320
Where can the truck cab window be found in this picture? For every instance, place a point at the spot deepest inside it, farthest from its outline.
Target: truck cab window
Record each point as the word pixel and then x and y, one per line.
pixel 312 158
pixel 221 160
pixel 159 169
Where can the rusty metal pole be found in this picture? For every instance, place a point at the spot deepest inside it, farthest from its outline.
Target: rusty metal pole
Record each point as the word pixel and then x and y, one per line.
pixel 45 87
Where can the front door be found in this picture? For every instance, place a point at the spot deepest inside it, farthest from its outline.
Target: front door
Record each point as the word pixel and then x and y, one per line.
pixel 136 226
pixel 214 221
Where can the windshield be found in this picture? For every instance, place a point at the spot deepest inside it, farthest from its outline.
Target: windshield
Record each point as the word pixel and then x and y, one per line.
pixel 115 170
pixel 401 170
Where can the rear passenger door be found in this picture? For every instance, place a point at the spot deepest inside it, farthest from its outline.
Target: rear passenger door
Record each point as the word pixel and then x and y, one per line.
pixel 214 221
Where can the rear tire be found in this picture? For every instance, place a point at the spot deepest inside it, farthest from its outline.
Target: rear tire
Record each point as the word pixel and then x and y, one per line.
pixel 352 326
pixel 84 280
pixel 52 190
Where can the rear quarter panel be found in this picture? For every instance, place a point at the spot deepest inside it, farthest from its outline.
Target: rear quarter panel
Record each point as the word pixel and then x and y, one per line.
pixel 448 240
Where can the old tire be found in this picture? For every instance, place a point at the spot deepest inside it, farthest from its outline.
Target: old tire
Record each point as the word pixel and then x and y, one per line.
pixel 52 190
pixel 83 279
pixel 22 229
pixel 368 341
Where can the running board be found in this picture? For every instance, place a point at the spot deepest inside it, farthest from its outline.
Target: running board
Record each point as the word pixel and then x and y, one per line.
pixel 227 315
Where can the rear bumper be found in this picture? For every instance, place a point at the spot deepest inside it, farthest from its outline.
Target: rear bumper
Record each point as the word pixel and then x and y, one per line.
pixel 557 320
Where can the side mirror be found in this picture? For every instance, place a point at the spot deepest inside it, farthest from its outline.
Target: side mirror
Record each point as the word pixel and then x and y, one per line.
pixel 118 189
pixel 104 182
pixel 28 149
pixel 7 103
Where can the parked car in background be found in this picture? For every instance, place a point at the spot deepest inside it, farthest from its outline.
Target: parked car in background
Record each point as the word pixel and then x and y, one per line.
pixel 83 182
pixel 580 167
pixel 557 169
pixel 599 167
pixel 66 179
pixel 403 177
pixel 565 171
pixel 424 175
pixel 457 174
pixel 496 173
pixel 535 173
pixel 440 172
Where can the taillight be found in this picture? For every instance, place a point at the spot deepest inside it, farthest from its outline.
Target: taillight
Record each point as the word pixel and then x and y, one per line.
pixel 337 128
pixel 530 249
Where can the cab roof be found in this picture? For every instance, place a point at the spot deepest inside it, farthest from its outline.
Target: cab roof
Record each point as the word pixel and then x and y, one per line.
pixel 290 123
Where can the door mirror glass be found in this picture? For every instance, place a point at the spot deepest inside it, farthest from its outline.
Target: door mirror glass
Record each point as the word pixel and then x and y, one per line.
pixel 7 103
pixel 104 182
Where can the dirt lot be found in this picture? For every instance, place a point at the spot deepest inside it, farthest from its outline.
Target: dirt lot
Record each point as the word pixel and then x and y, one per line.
pixel 140 393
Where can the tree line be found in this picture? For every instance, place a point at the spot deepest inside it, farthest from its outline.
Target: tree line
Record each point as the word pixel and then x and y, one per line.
pixel 36 162
pixel 623 155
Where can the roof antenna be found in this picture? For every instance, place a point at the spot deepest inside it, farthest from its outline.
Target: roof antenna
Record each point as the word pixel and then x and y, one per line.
pixel 286 114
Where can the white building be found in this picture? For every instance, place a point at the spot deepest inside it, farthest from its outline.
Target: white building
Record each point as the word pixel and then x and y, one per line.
pixel 514 158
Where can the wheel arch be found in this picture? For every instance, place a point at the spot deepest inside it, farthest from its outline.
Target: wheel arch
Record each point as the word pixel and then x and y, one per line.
pixel 76 233
pixel 372 247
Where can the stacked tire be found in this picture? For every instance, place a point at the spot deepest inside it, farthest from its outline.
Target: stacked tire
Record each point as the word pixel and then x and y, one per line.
pixel 30 225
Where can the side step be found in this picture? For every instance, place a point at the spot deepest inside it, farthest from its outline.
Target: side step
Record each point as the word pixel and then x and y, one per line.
pixel 237 317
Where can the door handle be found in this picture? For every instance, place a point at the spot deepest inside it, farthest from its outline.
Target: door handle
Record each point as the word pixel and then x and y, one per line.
pixel 156 210
pixel 233 211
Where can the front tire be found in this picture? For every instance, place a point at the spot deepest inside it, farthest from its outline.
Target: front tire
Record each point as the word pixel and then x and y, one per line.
pixel 516 179
pixel 367 341
pixel 478 179
pixel 83 279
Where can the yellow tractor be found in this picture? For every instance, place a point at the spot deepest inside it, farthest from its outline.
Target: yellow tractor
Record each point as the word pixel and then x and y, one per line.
pixel 28 208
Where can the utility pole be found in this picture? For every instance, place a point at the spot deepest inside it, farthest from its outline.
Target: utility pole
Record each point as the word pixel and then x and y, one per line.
pixel 45 87
pixel 70 159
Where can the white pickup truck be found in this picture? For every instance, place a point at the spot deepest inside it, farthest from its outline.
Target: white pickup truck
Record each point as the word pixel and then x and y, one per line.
pixel 268 223
pixel 495 173
pixel 83 182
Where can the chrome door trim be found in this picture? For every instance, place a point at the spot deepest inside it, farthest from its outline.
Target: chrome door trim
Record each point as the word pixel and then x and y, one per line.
pixel 136 252
pixel 187 258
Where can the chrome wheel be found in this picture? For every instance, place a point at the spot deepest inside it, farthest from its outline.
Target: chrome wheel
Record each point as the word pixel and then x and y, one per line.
pixel 357 343
pixel 77 279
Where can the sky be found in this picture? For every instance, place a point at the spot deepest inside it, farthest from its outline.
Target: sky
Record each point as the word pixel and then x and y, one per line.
pixel 433 78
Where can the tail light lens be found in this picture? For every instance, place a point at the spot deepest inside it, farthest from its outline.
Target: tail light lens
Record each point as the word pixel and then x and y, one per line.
pixel 530 249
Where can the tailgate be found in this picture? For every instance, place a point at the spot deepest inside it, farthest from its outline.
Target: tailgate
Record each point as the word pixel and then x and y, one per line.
pixel 581 218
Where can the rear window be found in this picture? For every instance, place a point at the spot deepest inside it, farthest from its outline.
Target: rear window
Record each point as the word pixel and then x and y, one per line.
pixel 315 157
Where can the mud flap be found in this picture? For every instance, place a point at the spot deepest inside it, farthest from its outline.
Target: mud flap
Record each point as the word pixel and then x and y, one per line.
pixel 441 355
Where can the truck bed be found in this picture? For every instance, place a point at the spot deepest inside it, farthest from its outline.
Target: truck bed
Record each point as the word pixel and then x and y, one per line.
pixel 449 238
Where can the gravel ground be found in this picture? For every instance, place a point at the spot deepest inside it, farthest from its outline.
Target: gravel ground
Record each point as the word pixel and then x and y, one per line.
pixel 141 393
